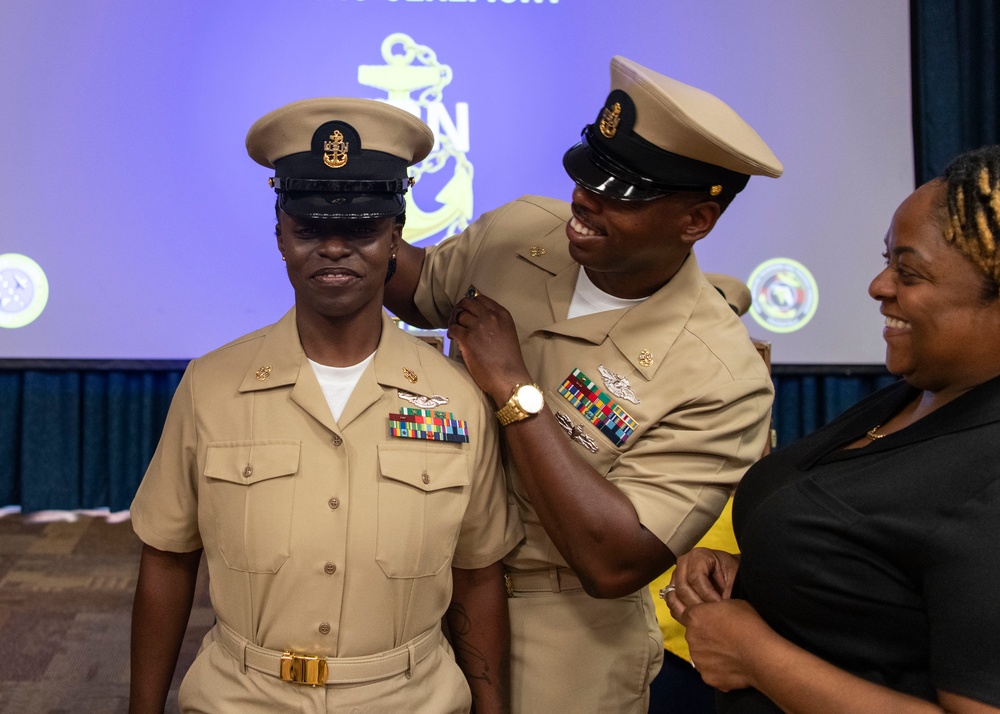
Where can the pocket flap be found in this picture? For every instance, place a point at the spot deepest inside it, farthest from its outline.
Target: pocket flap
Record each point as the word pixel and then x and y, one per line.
pixel 249 462
pixel 426 470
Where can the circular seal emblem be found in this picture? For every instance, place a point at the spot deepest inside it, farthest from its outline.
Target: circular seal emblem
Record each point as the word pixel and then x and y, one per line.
pixel 784 295
pixel 24 290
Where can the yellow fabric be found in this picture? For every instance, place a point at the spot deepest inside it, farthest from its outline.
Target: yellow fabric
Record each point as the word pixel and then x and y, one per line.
pixel 720 536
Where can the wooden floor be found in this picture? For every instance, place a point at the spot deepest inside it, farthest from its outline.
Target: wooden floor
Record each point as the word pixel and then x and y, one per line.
pixel 65 607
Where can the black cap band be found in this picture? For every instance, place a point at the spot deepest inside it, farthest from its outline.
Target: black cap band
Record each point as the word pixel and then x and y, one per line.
pixel 339 186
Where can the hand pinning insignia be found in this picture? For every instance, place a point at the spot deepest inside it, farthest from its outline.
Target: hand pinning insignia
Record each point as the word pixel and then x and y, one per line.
pixel 575 432
pixel 419 400
pixel 618 384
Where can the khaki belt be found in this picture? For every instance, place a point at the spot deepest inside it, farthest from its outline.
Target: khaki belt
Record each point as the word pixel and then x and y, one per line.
pixel 547 580
pixel 306 669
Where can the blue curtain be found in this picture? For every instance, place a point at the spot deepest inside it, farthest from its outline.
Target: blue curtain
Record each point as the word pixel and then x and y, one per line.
pixel 956 80
pixel 74 439
pixel 805 402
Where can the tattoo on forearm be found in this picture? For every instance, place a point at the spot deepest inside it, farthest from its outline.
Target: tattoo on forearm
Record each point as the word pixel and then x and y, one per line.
pixel 472 659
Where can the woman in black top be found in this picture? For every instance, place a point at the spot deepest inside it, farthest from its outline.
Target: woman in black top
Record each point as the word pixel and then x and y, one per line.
pixel 870 551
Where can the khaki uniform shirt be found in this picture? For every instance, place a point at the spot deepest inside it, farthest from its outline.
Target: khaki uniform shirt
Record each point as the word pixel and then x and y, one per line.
pixel 683 411
pixel 703 393
pixel 324 537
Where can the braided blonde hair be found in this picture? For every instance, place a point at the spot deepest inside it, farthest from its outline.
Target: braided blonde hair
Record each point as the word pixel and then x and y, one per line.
pixel 973 223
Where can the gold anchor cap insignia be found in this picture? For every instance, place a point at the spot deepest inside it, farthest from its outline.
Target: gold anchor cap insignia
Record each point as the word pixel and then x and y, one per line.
pixel 410 375
pixel 715 190
pixel 335 149
pixel 609 120
pixel 263 373
pixel 646 358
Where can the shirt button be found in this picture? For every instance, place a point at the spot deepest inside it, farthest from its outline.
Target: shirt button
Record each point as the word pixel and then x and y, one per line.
pixel 425 478
pixel 324 628
pixel 337 441
pixel 248 472
pixel 330 568
pixel 334 502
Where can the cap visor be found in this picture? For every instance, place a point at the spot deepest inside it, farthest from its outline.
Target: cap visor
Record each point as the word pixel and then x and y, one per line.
pixel 341 205
pixel 581 169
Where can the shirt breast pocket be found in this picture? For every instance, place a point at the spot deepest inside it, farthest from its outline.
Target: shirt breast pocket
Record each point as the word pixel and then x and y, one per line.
pixel 422 497
pixel 251 490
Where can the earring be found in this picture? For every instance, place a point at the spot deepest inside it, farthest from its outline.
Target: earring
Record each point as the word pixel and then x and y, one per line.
pixel 392 268
pixel 282 257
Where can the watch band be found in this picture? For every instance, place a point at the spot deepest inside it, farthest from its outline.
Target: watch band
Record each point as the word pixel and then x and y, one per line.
pixel 512 411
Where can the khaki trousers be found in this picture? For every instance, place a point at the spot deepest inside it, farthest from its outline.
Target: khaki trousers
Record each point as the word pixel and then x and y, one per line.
pixel 573 653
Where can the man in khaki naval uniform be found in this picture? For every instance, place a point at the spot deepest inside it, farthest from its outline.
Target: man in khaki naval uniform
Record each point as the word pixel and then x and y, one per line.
pixel 341 477
pixel 632 397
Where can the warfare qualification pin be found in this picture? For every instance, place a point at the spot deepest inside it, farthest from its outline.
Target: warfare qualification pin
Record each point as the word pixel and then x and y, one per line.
pixel 419 400
pixel 617 384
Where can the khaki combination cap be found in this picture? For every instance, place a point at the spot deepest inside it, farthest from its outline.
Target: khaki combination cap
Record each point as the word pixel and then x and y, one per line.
pixel 655 135
pixel 339 157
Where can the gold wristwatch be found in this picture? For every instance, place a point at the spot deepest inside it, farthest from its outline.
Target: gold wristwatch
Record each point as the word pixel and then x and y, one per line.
pixel 525 401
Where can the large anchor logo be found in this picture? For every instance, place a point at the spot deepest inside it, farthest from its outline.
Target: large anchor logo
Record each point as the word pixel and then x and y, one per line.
pixel 399 76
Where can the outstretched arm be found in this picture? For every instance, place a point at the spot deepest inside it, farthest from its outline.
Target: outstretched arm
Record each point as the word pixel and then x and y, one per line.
pixel 479 629
pixel 589 519
pixel 160 611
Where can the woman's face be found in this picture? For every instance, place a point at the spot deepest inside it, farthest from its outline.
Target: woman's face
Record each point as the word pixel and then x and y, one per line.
pixel 337 267
pixel 940 334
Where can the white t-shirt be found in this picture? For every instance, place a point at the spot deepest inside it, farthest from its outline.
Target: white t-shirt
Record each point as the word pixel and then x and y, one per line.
pixel 337 383
pixel 588 298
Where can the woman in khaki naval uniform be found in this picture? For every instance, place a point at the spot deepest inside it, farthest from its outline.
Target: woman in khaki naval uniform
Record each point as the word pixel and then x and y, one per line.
pixel 632 397
pixel 341 477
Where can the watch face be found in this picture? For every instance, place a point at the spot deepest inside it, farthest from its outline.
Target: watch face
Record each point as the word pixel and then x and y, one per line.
pixel 530 398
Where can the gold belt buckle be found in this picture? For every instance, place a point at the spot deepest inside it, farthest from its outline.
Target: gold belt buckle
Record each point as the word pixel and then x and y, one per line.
pixel 303 669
